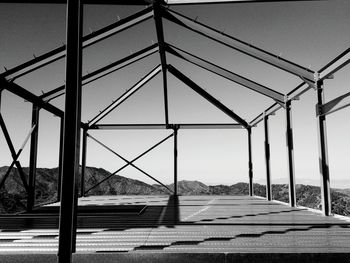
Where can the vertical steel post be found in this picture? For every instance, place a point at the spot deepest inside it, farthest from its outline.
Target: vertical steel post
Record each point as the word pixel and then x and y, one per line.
pixel 290 153
pixel 175 159
pixel 83 162
pixel 267 158
pixel 60 160
pixel 71 140
pixel 323 151
pixel 33 158
pixel 250 162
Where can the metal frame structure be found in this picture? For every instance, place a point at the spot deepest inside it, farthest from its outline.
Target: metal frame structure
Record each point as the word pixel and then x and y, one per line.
pixel 71 124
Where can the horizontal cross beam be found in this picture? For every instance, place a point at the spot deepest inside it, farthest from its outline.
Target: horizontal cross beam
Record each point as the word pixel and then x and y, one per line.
pixel 193 126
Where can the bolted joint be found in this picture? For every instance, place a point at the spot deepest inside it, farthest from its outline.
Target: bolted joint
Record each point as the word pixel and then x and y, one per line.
pixel 319 110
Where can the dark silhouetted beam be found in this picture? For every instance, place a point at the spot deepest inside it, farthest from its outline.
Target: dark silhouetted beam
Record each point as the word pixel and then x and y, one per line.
pixel 201 2
pixel 89 2
pixel 290 153
pixel 239 45
pixel 163 126
pixel 267 158
pixel 33 159
pixel 207 96
pixel 27 95
pixel 104 71
pixel 71 134
pixel 226 74
pixel 88 40
pixel 125 96
pixel 160 36
pixel 335 65
pixel 250 162
pixel 336 104
pixel 15 155
pixel 323 154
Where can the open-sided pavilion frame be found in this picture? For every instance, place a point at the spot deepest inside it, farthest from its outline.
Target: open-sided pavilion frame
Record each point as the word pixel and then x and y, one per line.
pixel 71 121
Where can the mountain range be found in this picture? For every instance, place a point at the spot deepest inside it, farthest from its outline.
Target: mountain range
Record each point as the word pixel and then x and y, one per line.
pixel 13 195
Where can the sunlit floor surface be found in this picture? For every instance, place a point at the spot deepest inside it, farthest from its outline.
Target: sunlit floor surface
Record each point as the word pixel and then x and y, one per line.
pixel 187 224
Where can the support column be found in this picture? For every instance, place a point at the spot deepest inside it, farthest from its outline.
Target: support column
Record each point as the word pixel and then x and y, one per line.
pixel 290 153
pixel 83 163
pixel 175 159
pixel 60 161
pixel 323 152
pixel 33 158
pixel 250 162
pixel 267 158
pixel 71 136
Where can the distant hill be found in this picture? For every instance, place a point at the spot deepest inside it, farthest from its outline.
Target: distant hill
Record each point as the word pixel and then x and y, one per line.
pixel 13 195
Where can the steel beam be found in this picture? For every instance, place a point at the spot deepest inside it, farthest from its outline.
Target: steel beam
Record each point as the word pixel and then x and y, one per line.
pixel 290 153
pixel 88 40
pixel 335 65
pixel 201 2
pixel 129 162
pixel 250 162
pixel 28 96
pixel 275 95
pixel 193 126
pixel 87 2
pixel 71 142
pixel 334 105
pixel 239 45
pixel 60 160
pixel 160 36
pixel 104 71
pixel 175 128
pixel 207 96
pixel 33 159
pixel 323 153
pixel 124 96
pixel 267 158
pixel 83 163
pixel 15 155
pixel 145 2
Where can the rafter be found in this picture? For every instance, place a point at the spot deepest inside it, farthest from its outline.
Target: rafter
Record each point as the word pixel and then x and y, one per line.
pixel 88 40
pixel 275 95
pixel 239 45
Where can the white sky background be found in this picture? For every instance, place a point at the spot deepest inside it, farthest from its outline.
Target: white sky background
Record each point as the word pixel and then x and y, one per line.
pixel 308 33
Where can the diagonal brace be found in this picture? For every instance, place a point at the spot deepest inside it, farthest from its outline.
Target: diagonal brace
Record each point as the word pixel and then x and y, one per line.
pixel 207 96
pixel 15 155
pixel 130 162
pixel 125 96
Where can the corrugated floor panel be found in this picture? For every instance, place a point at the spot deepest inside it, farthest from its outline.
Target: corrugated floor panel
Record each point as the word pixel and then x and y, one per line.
pixel 187 224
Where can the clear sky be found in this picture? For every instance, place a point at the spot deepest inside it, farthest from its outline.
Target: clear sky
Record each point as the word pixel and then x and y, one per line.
pixel 309 33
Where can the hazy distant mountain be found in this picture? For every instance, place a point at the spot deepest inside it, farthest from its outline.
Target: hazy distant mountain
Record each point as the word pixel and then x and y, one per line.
pixel 13 195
